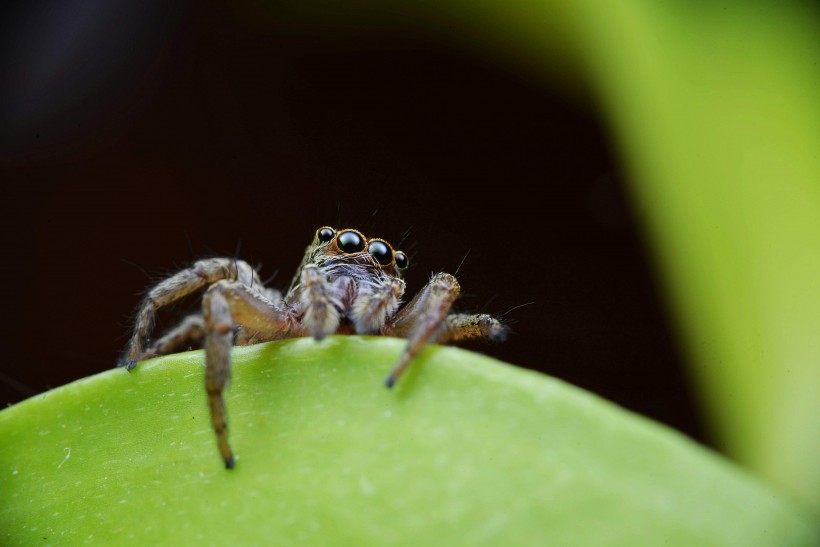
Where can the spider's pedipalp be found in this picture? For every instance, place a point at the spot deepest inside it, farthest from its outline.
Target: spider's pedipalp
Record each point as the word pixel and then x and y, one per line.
pixel 321 316
pixel 375 303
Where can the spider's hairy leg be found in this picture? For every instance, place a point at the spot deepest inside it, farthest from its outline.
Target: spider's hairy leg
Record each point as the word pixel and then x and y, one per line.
pixel 321 316
pixel 189 332
pixel 421 320
pixel 218 365
pixel 176 287
pixel 461 327
pixel 226 303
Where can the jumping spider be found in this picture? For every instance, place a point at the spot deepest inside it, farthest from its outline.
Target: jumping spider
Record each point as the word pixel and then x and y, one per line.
pixel 346 284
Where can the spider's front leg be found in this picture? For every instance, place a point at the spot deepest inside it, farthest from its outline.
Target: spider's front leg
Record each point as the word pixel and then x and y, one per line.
pixel 189 332
pixel 224 304
pixel 421 319
pixel 176 287
pixel 426 319
pixel 462 326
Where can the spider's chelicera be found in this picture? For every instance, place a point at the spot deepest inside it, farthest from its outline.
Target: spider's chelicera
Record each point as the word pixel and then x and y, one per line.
pixel 345 284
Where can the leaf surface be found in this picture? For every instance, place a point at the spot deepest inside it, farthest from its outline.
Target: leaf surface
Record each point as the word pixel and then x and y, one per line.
pixel 465 450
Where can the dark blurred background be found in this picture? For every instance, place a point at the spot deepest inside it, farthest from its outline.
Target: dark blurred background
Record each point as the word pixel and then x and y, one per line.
pixel 137 137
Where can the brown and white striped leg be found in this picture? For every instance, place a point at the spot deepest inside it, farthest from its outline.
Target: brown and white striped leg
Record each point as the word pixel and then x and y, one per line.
pixel 226 303
pixel 461 327
pixel 179 285
pixel 190 332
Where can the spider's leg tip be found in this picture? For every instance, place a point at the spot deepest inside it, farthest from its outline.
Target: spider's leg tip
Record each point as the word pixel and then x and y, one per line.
pixel 389 382
pixel 127 364
pixel 319 334
pixel 493 329
pixel 230 462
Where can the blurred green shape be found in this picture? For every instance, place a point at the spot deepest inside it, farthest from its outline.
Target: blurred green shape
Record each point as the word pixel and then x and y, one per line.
pixel 715 108
pixel 465 451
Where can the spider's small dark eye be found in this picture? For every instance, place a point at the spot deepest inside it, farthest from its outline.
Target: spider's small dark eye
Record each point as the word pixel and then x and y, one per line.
pixel 325 234
pixel 401 260
pixel 350 242
pixel 381 252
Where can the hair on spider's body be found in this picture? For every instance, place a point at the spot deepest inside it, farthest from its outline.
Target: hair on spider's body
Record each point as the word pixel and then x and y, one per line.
pixel 345 284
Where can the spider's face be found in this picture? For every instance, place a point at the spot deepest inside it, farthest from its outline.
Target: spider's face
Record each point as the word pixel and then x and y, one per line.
pixel 349 252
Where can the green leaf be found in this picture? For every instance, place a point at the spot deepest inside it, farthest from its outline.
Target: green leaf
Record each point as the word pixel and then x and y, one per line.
pixel 715 110
pixel 465 450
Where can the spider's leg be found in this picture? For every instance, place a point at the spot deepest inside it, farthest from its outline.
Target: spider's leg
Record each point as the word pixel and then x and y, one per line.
pixel 179 285
pixel 190 332
pixel 226 303
pixel 421 320
pixel 461 327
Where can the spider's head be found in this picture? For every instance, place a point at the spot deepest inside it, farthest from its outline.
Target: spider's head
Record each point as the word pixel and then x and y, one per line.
pixel 333 247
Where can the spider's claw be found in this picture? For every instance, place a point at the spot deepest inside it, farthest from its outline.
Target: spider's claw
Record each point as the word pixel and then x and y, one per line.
pixel 127 364
pixel 398 370
pixel 230 462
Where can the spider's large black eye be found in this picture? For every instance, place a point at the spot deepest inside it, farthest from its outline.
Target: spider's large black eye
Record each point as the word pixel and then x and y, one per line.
pixel 350 242
pixel 325 234
pixel 381 251
pixel 401 260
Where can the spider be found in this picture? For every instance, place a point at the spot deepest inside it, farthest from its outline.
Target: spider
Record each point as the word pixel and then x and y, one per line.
pixel 345 284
